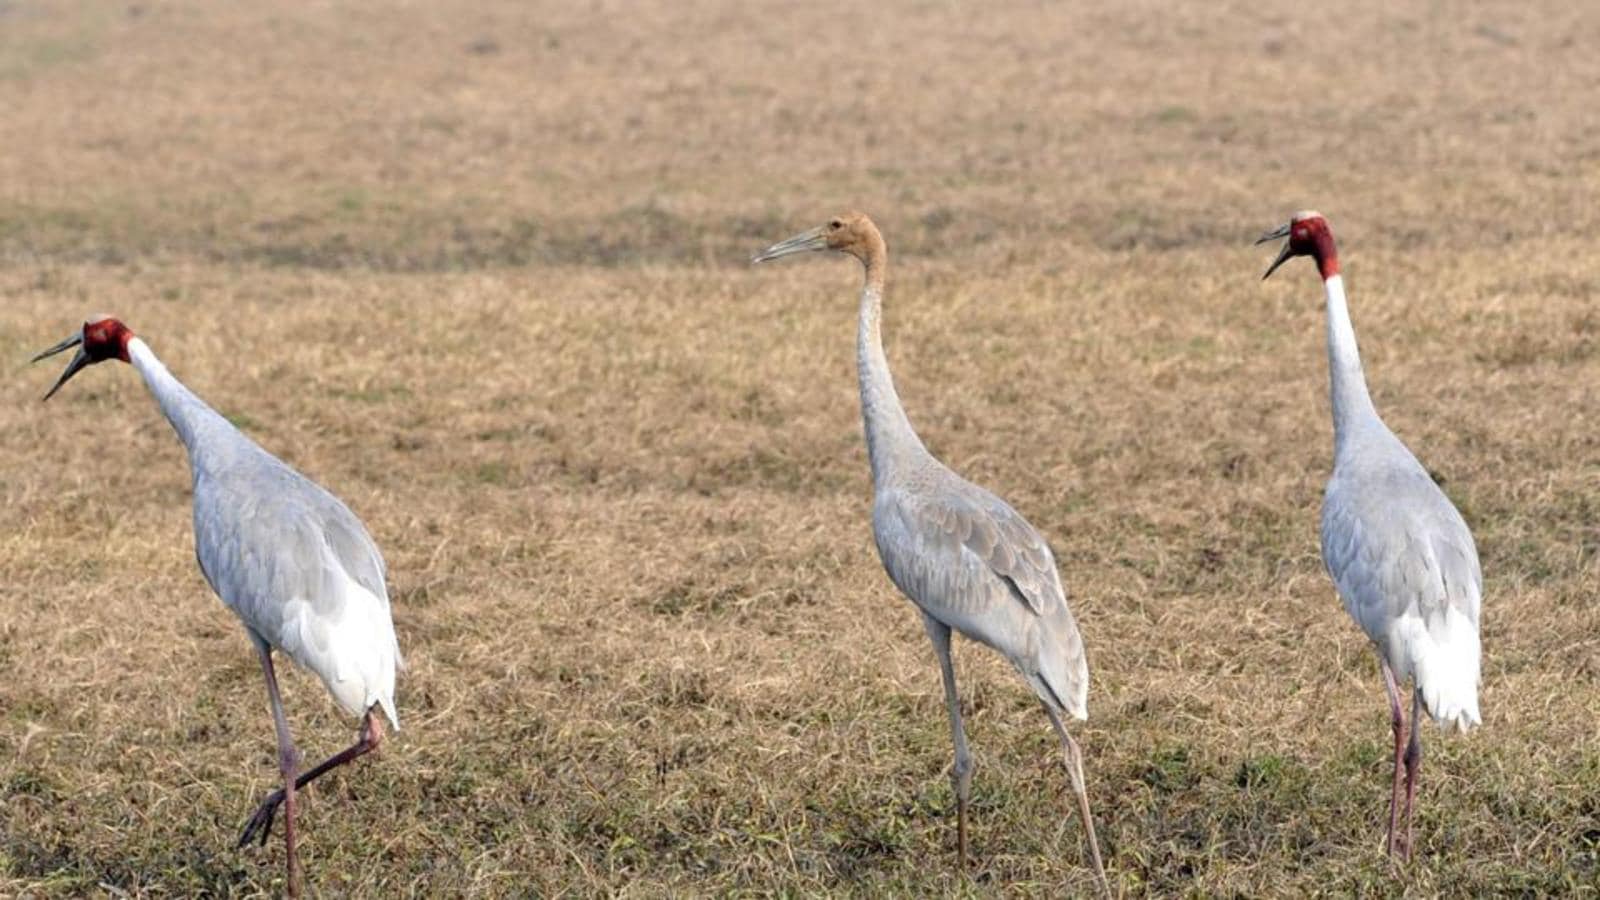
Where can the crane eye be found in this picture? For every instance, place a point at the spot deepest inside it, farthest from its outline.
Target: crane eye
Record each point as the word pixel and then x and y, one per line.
pixel 836 224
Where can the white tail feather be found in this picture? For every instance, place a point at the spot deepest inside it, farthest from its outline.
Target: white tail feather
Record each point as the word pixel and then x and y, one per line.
pixel 1444 663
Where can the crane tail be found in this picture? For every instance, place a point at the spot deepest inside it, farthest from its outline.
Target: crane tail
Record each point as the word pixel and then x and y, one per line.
pixel 387 704
pixel 1445 662
pixel 1061 678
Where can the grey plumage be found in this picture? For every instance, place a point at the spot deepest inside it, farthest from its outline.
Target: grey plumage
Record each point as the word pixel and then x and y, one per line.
pixel 1407 570
pixel 1398 551
pixel 971 562
pixel 291 561
pixel 318 594
pixel 289 558
pixel 968 561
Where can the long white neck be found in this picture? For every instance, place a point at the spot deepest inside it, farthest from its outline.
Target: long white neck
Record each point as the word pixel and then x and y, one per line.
pixel 191 418
pixel 1347 387
pixel 891 443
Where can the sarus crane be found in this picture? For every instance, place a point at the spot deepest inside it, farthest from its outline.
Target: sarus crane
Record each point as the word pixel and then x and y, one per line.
pixel 1400 555
pixel 291 561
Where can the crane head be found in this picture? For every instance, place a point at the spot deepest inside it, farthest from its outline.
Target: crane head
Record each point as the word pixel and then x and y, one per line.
pixel 1309 235
pixel 851 232
pixel 101 338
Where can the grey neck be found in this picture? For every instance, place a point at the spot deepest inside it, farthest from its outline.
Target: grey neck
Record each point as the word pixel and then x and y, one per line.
pixel 891 442
pixel 1347 387
pixel 191 418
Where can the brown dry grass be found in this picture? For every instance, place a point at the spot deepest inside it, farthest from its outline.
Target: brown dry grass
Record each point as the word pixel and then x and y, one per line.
pixel 482 273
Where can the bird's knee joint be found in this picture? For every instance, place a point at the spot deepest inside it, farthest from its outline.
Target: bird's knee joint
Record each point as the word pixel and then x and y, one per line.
pixel 963 768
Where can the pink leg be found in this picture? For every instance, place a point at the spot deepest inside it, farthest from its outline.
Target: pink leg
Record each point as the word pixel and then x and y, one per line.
pixel 1392 845
pixel 288 760
pixel 260 824
pixel 1413 764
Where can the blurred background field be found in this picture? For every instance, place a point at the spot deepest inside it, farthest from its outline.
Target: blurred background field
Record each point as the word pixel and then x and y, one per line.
pixel 482 272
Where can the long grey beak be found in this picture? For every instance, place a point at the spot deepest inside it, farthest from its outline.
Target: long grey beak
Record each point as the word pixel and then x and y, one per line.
pixel 79 361
pixel 805 242
pixel 1284 255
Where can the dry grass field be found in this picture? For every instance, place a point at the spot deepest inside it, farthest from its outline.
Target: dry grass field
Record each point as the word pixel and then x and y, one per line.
pixel 483 273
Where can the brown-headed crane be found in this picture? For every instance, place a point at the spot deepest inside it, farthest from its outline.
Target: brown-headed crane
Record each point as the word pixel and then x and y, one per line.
pixel 967 560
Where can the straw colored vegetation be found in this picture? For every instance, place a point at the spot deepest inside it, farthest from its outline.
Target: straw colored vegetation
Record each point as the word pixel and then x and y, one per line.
pixel 482 272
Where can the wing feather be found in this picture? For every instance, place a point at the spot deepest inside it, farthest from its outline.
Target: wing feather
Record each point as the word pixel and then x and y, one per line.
pixel 1407 570
pixel 301 572
pixel 958 546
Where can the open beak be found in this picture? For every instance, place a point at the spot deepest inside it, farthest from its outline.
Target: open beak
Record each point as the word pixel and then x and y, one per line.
pixel 1284 255
pixel 805 242
pixel 79 361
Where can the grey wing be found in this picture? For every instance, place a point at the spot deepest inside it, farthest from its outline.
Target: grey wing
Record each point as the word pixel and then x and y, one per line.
pixel 1396 546
pixel 298 568
pixel 970 562
pixel 267 535
pixel 1014 550
pixel 350 542
pixel 951 550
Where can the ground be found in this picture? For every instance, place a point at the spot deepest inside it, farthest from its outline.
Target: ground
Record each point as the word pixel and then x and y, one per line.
pixel 483 273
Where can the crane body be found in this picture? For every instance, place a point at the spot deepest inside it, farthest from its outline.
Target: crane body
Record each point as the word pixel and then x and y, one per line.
pixel 967 560
pixel 1400 555
pixel 285 555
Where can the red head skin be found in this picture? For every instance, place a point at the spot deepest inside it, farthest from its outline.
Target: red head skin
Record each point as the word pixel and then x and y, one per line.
pixel 101 338
pixel 1309 235
pixel 106 338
